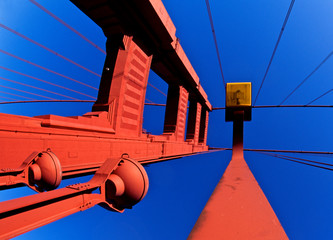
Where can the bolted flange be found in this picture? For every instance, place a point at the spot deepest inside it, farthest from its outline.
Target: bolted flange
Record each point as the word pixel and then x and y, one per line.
pixel 127 185
pixel 45 173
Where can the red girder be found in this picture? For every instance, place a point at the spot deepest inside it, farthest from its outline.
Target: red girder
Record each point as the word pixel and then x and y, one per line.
pixel 140 36
pixel 122 182
pixel 238 208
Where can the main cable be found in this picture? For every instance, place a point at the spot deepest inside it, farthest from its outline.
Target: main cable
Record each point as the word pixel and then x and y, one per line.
pixel 275 48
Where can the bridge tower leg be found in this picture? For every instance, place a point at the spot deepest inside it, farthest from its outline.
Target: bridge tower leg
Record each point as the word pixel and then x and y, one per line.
pixel 193 123
pixel 175 112
pixel 123 85
pixel 203 127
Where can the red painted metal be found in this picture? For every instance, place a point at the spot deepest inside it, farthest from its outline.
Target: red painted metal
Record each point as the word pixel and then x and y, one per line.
pixel 114 126
pixel 142 37
pixel 193 125
pixel 175 113
pixel 154 32
pixel 122 182
pixel 40 171
pixel 238 209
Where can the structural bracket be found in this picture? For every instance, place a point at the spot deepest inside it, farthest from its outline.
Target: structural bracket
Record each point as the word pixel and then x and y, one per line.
pixel 41 171
pixel 122 183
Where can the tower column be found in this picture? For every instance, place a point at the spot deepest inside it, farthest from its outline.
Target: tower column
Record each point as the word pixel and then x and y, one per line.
pixel 123 85
pixel 203 126
pixel 193 124
pixel 175 112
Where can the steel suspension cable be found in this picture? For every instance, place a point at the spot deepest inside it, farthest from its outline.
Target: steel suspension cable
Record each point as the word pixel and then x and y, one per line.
pixel 46 69
pixel 47 82
pixel 13 99
pixel 275 48
pixel 307 77
pixel 50 101
pixel 42 89
pixel 284 106
pixel 64 101
pixel 12 94
pixel 66 25
pixel 156 89
pixel 280 151
pixel 215 41
pixel 324 94
pixel 148 100
pixel 300 162
pixel 48 49
pixel 156 104
pixel 15 89
pixel 151 103
pixel 302 159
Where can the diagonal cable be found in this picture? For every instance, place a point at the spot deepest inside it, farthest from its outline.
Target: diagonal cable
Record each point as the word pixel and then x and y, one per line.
pixel 48 49
pixel 156 89
pixel 13 99
pixel 307 77
pixel 66 25
pixel 16 95
pixel 275 48
pixel 15 89
pixel 41 89
pixel 47 82
pixel 324 94
pixel 301 159
pixel 297 161
pixel 150 101
pixel 46 69
pixel 49 101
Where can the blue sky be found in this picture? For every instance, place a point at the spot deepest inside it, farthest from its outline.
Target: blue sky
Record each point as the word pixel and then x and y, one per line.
pixel 246 32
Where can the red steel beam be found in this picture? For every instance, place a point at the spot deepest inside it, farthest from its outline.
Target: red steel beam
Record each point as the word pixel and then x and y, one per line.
pixel 71 146
pixel 122 183
pixel 153 31
pixel 80 143
pixel 114 127
pixel 238 209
